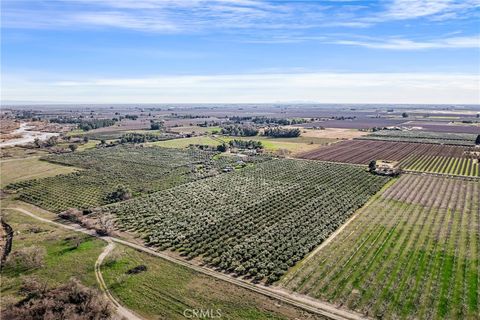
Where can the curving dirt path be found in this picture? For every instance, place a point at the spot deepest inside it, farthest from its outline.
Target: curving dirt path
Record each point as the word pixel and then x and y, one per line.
pixel 122 312
pixel 294 299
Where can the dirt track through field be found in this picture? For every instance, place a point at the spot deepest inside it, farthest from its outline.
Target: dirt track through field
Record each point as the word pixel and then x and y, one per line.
pixel 296 300
pixel 122 312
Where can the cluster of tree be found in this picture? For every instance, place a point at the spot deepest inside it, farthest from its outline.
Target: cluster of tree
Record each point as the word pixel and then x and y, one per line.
pixel 207 124
pixel 188 116
pixel 375 129
pixel 101 223
pixel 131 116
pixel 26 114
pixel 343 118
pixel 239 130
pixel 50 142
pixel 103 144
pixel 139 138
pixel 238 119
pixel 85 124
pixel 245 144
pixel 121 193
pixel 204 147
pixel 279 121
pixel 265 120
pixel 69 120
pixel 156 125
pixel 282 132
pixel 71 300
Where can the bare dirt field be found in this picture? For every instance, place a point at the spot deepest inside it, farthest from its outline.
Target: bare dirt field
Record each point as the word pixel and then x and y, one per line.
pixel 359 123
pixel 331 133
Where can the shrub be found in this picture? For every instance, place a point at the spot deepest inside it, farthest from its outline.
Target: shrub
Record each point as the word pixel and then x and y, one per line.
pixel 69 301
pixel 27 258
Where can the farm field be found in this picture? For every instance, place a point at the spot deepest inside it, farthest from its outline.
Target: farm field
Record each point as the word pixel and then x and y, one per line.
pixel 251 222
pixel 292 145
pixel 443 127
pixel 10 153
pixel 331 133
pixel 412 252
pixel 465 139
pixel 455 160
pixel 359 123
pixel 30 168
pixel 195 129
pixel 62 260
pixel 185 142
pixel 165 290
pixel 141 170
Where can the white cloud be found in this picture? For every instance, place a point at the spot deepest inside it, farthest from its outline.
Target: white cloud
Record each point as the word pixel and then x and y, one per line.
pixel 408 9
pixel 256 88
pixel 407 44
pixel 193 15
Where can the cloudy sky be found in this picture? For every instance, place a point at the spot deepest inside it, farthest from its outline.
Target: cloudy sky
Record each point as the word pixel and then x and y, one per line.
pixel 167 51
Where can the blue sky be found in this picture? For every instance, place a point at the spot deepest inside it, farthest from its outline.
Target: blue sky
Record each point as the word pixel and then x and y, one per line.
pixel 127 51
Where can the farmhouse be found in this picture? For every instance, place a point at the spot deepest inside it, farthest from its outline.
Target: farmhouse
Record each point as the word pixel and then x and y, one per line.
pixel 387 168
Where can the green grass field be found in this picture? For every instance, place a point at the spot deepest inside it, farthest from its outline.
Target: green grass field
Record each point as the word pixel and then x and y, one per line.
pixel 62 261
pixel 411 253
pixel 292 145
pixel 29 168
pixel 185 142
pixel 196 129
pixel 165 290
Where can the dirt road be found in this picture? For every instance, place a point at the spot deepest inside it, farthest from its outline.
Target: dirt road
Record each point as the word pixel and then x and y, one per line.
pixel 121 311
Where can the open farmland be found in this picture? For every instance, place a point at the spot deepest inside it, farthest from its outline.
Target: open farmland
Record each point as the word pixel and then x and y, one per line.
pixel 141 170
pixel 358 123
pixel 258 221
pixel 29 168
pixel 424 157
pixel 443 127
pixel 290 145
pixel 166 289
pixel 462 139
pixel 411 252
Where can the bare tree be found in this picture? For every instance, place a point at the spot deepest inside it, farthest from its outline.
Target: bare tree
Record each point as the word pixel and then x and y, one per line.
pixel 71 300
pixel 105 224
pixel 27 258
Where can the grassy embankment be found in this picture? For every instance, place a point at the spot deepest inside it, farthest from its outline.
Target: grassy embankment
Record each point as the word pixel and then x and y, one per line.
pixel 62 260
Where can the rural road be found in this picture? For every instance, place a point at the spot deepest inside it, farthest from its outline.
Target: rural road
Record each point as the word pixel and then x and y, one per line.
pixel 297 300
